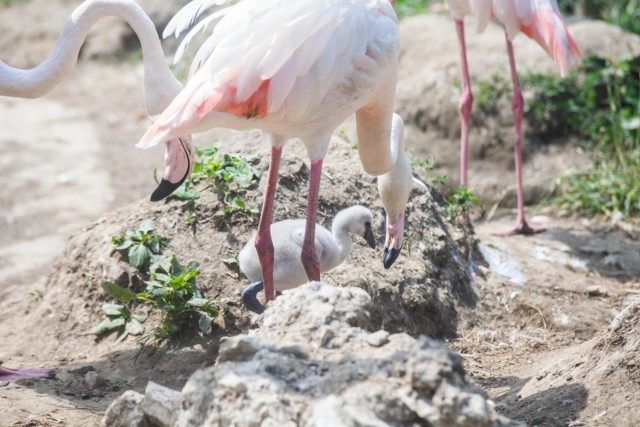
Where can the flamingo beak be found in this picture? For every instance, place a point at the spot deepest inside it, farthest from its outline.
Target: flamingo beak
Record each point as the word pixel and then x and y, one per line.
pixel 368 235
pixel 393 242
pixel 178 158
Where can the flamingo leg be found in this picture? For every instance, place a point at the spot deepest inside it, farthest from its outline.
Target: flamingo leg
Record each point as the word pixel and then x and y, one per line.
pixel 7 374
pixel 517 106
pixel 263 242
pixel 308 256
pixel 465 105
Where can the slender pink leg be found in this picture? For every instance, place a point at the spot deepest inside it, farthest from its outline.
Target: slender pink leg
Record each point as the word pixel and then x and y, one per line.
pixel 308 256
pixel 518 106
pixel 263 243
pixel 465 105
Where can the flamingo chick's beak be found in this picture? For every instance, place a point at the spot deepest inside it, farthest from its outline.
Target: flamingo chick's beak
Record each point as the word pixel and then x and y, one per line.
pixel 393 243
pixel 368 235
pixel 178 158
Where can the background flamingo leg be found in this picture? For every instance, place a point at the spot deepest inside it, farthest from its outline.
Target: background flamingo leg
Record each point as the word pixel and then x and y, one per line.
pixel 517 106
pixel 308 256
pixel 465 105
pixel 263 242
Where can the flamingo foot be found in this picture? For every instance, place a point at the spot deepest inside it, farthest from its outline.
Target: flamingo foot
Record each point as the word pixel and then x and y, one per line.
pixel 250 299
pixel 522 228
pixel 7 374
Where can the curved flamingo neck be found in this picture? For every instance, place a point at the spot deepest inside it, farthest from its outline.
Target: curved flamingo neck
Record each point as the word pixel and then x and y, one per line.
pixel 340 231
pixel 160 85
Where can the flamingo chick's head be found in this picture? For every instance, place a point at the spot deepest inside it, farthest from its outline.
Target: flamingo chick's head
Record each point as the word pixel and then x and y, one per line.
pixel 394 188
pixel 178 157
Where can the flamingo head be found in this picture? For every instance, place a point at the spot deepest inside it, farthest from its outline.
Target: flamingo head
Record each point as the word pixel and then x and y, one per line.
pixel 178 157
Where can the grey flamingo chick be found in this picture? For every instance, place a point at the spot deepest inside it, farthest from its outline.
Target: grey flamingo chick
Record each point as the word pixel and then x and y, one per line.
pixel 332 248
pixel 8 374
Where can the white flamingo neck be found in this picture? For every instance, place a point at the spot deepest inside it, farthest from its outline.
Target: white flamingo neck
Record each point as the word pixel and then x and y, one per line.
pixel 161 86
pixel 340 231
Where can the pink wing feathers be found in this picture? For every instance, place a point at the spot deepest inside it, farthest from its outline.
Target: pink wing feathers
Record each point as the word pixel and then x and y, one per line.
pixel 541 20
pixel 265 58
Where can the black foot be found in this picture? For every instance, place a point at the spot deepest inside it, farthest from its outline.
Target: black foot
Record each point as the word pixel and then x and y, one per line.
pixel 389 256
pixel 249 297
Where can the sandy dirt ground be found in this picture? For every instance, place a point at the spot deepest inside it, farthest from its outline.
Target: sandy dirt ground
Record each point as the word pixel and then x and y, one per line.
pixel 68 159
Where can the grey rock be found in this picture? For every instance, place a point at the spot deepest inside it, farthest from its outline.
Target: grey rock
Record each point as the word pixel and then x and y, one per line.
pixel 126 411
pixel 161 404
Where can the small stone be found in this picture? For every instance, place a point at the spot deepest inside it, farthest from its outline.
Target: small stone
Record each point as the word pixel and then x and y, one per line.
pixel 93 381
pixel 378 338
pixel 82 370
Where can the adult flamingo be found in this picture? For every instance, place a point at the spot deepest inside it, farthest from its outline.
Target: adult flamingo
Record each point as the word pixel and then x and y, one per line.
pixel 160 85
pixel 541 21
pixel 295 70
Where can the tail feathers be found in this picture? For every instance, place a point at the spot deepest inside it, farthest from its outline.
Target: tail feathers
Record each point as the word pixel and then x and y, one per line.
pixel 550 32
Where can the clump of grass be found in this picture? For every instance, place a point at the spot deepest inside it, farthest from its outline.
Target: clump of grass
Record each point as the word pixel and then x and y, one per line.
pixel 229 174
pixel 462 202
pixel 417 164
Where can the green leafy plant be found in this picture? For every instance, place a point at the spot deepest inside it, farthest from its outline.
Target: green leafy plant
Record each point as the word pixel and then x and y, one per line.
pixel 172 291
pixel 119 319
pixel 462 201
pixel 140 244
pixel 229 174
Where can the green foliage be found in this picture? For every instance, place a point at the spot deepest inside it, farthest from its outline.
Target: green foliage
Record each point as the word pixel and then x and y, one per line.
pixel 173 291
pixel 410 7
pixel 624 13
pixel 462 201
pixel 417 164
pixel 170 290
pixel 119 319
pixel 140 244
pixel 231 175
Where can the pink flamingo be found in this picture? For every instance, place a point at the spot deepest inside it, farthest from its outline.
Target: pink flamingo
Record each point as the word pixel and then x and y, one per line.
pixel 541 21
pixel 296 70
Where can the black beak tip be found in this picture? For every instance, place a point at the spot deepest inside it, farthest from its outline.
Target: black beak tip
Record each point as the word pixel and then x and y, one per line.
pixel 165 188
pixel 370 238
pixel 389 257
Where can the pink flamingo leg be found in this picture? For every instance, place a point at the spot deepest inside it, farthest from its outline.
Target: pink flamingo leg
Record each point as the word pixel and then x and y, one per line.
pixel 8 374
pixel 465 105
pixel 518 106
pixel 263 242
pixel 308 256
